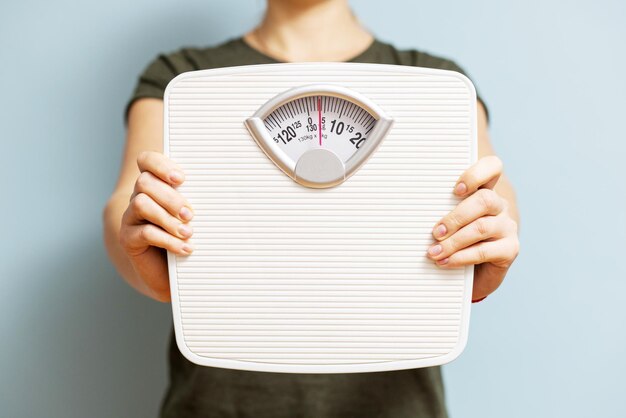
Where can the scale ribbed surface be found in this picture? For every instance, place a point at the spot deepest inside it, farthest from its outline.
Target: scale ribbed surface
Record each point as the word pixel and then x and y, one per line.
pixel 287 278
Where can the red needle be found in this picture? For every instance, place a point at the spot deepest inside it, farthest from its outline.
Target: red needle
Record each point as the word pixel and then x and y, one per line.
pixel 319 118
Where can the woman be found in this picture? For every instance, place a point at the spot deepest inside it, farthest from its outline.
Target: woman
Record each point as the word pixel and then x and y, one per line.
pixel 146 215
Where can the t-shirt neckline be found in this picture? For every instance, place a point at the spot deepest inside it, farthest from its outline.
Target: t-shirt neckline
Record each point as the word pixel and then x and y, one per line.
pixel 367 51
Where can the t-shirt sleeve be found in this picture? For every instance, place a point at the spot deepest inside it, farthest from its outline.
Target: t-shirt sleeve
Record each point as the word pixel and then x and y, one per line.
pixel 426 60
pixel 156 76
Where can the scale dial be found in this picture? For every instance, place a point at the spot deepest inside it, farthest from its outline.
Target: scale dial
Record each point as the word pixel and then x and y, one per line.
pixel 319 134
pixel 327 122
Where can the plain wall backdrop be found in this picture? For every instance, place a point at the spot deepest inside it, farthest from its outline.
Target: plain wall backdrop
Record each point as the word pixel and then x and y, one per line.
pixel 77 341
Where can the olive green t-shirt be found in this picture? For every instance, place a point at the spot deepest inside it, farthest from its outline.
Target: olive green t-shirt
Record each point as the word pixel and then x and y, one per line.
pixel 199 391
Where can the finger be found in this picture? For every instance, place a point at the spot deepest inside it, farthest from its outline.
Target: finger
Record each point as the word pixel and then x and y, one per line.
pixel 483 202
pixel 499 252
pixel 164 194
pixel 143 209
pixel 139 237
pixel 161 166
pixel 483 174
pixel 479 230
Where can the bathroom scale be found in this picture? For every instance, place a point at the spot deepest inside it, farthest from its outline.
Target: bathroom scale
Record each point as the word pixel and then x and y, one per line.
pixel 315 189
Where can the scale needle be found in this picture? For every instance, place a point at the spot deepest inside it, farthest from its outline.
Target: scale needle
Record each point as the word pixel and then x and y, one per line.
pixel 319 117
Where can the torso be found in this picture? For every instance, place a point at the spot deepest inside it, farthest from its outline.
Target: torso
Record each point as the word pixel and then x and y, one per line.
pixel 198 391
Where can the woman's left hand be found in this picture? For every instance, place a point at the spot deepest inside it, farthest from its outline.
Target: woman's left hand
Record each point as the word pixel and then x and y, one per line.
pixel 480 230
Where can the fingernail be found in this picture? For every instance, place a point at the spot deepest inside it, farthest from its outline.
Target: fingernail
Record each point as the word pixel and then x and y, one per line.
pixel 440 230
pixel 444 261
pixel 176 176
pixel 184 230
pixel 187 248
pixel 460 189
pixel 435 249
pixel 185 214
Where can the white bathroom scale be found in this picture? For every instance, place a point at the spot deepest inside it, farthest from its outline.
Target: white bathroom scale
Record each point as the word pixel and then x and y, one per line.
pixel 315 188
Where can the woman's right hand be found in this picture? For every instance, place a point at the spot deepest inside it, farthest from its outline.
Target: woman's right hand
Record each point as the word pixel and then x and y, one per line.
pixel 156 220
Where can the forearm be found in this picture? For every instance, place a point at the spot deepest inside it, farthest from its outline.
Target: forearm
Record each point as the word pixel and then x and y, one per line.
pixel 111 219
pixel 503 187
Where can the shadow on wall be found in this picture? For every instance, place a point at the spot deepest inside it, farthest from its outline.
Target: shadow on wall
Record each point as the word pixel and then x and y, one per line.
pixel 99 347
pixel 79 342
pixel 96 347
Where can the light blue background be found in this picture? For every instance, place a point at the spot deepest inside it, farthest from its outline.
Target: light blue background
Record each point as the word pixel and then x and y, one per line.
pixel 78 342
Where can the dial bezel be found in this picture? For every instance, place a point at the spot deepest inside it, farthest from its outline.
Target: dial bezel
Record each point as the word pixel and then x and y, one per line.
pixel 256 126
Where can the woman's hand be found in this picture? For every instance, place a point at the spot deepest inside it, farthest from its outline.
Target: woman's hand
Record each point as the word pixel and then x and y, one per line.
pixel 480 230
pixel 156 219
